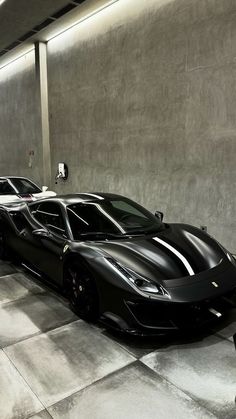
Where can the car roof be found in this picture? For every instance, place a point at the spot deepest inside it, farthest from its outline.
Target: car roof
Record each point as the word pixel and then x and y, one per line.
pixel 71 199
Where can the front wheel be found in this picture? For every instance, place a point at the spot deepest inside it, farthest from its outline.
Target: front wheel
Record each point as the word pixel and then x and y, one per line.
pixel 81 291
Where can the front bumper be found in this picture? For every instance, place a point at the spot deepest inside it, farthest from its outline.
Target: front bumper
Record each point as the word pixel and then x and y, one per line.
pixel 194 301
pixel 161 318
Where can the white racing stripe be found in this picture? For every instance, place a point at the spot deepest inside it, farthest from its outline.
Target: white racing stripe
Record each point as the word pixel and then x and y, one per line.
pixel 177 253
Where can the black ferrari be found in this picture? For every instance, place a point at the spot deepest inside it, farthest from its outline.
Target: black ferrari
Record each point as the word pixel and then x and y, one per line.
pixel 121 264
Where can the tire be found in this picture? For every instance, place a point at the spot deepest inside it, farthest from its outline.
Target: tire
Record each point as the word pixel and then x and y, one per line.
pixel 81 291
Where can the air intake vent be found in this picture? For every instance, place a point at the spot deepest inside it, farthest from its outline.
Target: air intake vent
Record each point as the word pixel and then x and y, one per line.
pixel 43 24
pixel 13 45
pixel 27 35
pixel 64 10
pixel 78 1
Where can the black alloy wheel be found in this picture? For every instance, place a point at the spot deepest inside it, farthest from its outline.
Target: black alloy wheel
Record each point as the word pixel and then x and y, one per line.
pixel 81 291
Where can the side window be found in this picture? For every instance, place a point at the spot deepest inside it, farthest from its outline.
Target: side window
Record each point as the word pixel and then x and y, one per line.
pixel 49 214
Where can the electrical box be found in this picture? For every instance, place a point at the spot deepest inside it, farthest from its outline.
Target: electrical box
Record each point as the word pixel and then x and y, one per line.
pixel 62 171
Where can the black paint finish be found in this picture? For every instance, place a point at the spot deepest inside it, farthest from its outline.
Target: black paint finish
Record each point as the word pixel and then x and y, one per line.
pixel 150 277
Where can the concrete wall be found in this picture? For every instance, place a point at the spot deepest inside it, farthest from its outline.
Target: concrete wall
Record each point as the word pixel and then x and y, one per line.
pixel 19 120
pixel 142 101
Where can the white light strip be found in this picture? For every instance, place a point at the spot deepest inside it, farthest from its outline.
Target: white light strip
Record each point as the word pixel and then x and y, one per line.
pixel 177 253
pixel 1 2
pixel 83 19
pixel 31 270
pixel 17 58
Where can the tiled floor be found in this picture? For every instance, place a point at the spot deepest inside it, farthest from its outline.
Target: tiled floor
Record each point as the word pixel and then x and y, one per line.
pixel 54 365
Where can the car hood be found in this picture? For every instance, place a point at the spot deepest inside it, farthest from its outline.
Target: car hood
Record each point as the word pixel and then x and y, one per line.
pixel 176 252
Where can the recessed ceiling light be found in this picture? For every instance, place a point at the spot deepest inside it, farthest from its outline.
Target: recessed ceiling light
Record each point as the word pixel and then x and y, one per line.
pixel 2 1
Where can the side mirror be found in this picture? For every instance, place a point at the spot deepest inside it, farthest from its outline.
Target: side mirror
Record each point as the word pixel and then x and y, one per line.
pixel 44 188
pixel 41 233
pixel 159 215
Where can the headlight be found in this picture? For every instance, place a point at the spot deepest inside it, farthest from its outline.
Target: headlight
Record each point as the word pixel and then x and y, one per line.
pixel 138 282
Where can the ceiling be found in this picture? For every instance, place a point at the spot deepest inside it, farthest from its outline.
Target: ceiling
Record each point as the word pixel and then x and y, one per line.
pixel 20 18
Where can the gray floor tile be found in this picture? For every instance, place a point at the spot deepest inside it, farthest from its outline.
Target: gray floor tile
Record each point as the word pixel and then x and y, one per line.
pixel 65 360
pixel 138 346
pixel 205 370
pixel 17 401
pixel 7 268
pixel 133 392
pixel 15 286
pixel 28 316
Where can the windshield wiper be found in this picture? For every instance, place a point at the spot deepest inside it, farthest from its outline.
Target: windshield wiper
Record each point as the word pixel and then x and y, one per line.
pixel 101 234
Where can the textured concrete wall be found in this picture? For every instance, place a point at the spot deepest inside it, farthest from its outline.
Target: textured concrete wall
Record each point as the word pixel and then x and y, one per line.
pixel 19 120
pixel 143 102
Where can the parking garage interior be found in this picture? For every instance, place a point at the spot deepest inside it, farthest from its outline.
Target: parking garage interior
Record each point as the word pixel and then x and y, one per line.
pixel 136 97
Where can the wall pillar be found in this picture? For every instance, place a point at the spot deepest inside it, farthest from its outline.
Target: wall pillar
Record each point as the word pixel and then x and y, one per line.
pixel 42 84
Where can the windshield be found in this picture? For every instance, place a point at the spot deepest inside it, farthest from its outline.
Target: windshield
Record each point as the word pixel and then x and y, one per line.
pixel 24 186
pixel 116 216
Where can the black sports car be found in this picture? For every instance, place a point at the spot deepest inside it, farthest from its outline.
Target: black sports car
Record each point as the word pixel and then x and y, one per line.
pixel 119 263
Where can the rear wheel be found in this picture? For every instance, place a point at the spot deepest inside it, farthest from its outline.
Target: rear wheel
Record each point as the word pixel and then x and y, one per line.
pixel 81 291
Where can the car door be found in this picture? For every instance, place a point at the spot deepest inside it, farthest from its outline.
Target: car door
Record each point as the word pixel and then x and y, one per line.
pixel 19 231
pixel 48 258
